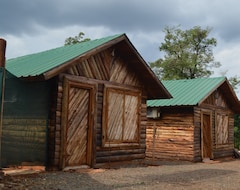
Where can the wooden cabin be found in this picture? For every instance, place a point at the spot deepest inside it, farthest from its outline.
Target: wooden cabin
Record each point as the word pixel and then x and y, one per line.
pixel 82 104
pixel 197 123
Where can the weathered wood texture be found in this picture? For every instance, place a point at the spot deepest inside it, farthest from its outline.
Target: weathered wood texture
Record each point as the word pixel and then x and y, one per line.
pixel 103 66
pixel 197 134
pixel 171 137
pixel 179 136
pixel 206 135
pixel 121 116
pixel 103 69
pixel 222 124
pixel 216 99
pixel 76 132
pixel 3 45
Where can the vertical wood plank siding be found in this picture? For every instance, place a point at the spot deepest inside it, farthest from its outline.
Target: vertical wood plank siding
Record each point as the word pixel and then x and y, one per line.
pixel 197 134
pixel 217 104
pixel 103 68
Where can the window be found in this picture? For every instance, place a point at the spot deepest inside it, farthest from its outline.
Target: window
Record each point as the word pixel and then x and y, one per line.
pixel 121 116
pixel 221 128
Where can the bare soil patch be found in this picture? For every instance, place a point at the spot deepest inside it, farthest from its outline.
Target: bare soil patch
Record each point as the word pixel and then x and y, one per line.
pixel 220 174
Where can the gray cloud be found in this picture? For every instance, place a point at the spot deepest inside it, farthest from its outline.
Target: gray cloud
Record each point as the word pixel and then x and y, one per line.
pixel 125 15
pixel 28 20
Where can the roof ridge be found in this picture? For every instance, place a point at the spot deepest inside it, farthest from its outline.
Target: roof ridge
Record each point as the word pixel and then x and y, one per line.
pixel 201 78
pixel 71 45
pixel 187 91
pixel 38 63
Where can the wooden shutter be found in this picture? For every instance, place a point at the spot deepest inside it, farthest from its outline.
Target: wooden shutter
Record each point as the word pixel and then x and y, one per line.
pixel 130 118
pixel 221 128
pixel 121 116
pixel 115 116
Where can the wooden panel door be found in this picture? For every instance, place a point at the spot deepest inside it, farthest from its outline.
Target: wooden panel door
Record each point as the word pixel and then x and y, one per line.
pixel 206 135
pixel 78 116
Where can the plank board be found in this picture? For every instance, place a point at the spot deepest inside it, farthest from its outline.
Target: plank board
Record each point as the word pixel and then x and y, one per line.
pixel 206 136
pixel 76 138
pixel 221 128
pixel 121 116
pixel 78 109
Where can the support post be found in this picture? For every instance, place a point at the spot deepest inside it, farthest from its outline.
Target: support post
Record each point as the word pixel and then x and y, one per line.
pixel 3 45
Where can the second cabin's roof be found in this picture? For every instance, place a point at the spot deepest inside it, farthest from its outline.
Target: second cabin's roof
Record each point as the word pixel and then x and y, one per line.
pixel 191 92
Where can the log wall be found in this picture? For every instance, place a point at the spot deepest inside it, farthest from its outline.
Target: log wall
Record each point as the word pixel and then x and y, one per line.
pixel 177 134
pixel 197 134
pixel 219 150
pixel 170 137
pixel 217 104
pixel 101 68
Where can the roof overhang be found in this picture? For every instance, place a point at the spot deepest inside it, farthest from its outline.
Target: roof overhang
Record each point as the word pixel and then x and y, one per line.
pixel 227 90
pixel 123 46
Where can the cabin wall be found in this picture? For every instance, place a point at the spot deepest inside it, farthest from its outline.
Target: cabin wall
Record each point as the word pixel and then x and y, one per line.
pixel 197 134
pixel 178 134
pixel 171 136
pixel 222 126
pixel 107 72
pixel 121 152
pixel 219 150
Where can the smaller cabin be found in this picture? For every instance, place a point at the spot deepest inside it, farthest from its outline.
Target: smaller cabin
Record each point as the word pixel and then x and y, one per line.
pixel 197 123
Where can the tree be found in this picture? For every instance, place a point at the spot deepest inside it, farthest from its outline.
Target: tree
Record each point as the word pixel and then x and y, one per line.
pixel 76 39
pixel 188 54
pixel 237 131
pixel 234 81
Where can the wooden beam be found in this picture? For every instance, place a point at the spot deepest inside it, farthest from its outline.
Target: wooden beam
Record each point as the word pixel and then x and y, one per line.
pixel 3 45
pixel 62 67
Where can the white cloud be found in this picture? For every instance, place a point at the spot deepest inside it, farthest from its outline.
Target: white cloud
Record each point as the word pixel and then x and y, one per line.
pixel 230 59
pixel 47 38
pixel 29 29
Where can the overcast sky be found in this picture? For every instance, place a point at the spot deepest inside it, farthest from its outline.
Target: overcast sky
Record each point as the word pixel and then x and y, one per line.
pixel 31 26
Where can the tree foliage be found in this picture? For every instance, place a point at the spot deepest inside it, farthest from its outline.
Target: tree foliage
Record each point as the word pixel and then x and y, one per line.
pixel 234 81
pixel 188 54
pixel 76 39
pixel 237 131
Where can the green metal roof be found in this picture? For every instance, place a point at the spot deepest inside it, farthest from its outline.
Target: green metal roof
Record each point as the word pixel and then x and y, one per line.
pixel 38 63
pixel 187 92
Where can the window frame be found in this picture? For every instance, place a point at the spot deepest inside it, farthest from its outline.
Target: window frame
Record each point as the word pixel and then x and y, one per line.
pixel 124 91
pixel 220 127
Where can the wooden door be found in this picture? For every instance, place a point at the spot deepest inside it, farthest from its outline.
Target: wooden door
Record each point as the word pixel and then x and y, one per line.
pixel 206 135
pixel 78 121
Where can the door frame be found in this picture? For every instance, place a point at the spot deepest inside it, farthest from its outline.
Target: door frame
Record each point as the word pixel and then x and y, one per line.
pixel 209 113
pixel 82 83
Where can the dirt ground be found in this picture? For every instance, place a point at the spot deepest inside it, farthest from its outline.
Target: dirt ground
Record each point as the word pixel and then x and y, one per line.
pixel 217 175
